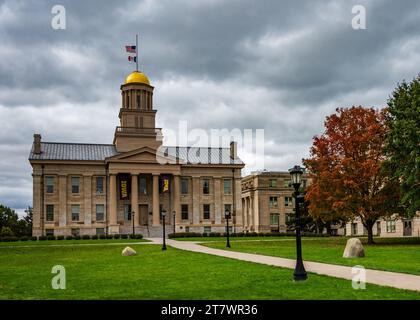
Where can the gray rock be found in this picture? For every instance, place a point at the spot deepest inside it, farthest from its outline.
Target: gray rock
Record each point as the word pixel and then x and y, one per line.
pixel 354 249
pixel 128 252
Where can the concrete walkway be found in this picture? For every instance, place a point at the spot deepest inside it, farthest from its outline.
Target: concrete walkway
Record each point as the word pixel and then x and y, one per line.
pixel 382 278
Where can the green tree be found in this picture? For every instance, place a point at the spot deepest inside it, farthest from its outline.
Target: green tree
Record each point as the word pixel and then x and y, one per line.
pixel 8 217
pixel 6 232
pixel 403 143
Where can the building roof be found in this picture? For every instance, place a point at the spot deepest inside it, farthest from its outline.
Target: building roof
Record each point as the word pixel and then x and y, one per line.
pixel 99 152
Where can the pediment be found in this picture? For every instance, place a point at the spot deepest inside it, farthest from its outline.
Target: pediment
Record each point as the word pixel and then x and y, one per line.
pixel 143 155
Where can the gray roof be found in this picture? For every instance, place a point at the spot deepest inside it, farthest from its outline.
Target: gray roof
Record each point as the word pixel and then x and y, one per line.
pixel 99 152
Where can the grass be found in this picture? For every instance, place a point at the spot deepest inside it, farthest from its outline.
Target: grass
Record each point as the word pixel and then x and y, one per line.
pixel 398 254
pixel 100 272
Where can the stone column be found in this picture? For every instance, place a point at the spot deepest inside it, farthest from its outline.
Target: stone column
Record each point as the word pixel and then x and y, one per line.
pixel 218 196
pixel 113 203
pixel 135 198
pixel 245 212
pixel 87 186
pixel 238 201
pixel 196 200
pixel 62 191
pixel 155 200
pixel 177 206
pixel 37 210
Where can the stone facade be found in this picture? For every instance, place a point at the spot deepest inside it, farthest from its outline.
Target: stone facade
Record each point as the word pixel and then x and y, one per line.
pixel 391 227
pixel 267 200
pixel 92 189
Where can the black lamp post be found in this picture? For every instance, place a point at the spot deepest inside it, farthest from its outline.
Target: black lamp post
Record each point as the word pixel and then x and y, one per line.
pixel 173 212
pixel 227 217
pixel 296 175
pixel 163 221
pixel 132 218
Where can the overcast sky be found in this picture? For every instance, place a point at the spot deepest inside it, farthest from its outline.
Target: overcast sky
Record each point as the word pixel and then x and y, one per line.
pixel 281 66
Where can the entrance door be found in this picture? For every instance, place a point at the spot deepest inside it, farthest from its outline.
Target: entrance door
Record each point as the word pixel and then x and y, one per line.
pixel 144 214
pixel 407 228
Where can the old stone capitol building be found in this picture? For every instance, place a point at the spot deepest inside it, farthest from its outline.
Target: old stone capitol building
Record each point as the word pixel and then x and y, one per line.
pixel 87 189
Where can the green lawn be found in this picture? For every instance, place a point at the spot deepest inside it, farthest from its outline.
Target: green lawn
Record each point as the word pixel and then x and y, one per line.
pixel 100 272
pixel 399 255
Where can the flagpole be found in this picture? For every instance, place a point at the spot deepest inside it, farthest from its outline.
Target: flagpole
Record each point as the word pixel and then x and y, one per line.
pixel 137 52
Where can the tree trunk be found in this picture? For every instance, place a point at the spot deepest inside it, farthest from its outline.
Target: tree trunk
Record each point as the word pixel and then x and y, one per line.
pixel 369 226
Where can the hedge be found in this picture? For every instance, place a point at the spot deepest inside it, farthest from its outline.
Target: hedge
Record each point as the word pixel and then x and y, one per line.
pixel 242 234
pixel 61 237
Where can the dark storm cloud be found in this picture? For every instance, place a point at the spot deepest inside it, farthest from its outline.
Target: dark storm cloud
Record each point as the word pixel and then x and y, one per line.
pixel 277 65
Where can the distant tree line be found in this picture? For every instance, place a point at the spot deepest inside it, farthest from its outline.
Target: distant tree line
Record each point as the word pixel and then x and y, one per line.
pixel 11 225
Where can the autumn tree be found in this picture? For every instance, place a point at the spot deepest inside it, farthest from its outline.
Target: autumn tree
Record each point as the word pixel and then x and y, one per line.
pixel 346 167
pixel 403 143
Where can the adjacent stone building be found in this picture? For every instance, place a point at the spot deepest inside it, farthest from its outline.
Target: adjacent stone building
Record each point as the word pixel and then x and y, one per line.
pixel 87 189
pixel 267 200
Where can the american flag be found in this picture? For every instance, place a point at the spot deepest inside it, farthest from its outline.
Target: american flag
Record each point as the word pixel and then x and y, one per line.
pixel 131 49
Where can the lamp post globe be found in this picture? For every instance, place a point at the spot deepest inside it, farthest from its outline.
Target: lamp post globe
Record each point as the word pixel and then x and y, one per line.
pixel 296 175
pixel 227 217
pixel 163 223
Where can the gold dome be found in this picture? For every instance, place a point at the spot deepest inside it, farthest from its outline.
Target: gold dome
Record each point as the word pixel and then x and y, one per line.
pixel 137 77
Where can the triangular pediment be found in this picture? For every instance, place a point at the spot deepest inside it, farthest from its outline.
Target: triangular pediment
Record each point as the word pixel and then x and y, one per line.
pixel 143 155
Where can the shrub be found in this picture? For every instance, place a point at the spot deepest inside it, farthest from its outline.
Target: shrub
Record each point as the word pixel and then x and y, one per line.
pixel 77 237
pixel 95 236
pixel 60 238
pixel 34 238
pixel 69 237
pixel 138 236
pixel 6 232
pixel 109 236
pixel 42 238
pixel 214 234
pixel 102 236
pixel 9 239
pixel 117 236
pixel 24 238
pixel 86 237
pixel 50 237
pixel 124 236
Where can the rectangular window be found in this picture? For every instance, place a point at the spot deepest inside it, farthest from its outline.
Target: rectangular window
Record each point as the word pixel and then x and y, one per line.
pixel 49 181
pixel 206 186
pixel 230 229
pixel 100 212
pixel 100 231
pixel 273 183
pixel 288 201
pixel 50 212
pixel 207 229
pixel 184 211
pixel 273 202
pixel 287 183
pixel 75 212
pixel 75 232
pixel 49 232
pixel 390 226
pixel 75 184
pixel 138 101
pixel 274 219
pixel 184 185
pixel 227 186
pixel 99 185
pixel 127 212
pixel 354 228
pixel 143 186
pixel 206 211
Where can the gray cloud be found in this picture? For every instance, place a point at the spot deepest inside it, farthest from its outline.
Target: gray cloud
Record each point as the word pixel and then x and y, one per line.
pixel 277 65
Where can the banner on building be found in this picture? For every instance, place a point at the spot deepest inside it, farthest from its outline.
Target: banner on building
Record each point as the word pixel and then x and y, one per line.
pixel 124 187
pixel 165 184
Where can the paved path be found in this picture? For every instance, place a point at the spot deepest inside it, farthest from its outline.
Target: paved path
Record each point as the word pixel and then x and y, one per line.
pixel 382 278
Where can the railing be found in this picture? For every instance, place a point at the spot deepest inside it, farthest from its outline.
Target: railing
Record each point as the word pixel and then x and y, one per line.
pixel 139 130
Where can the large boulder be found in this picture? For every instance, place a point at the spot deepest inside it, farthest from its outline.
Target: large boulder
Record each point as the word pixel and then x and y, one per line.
pixel 354 249
pixel 128 252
